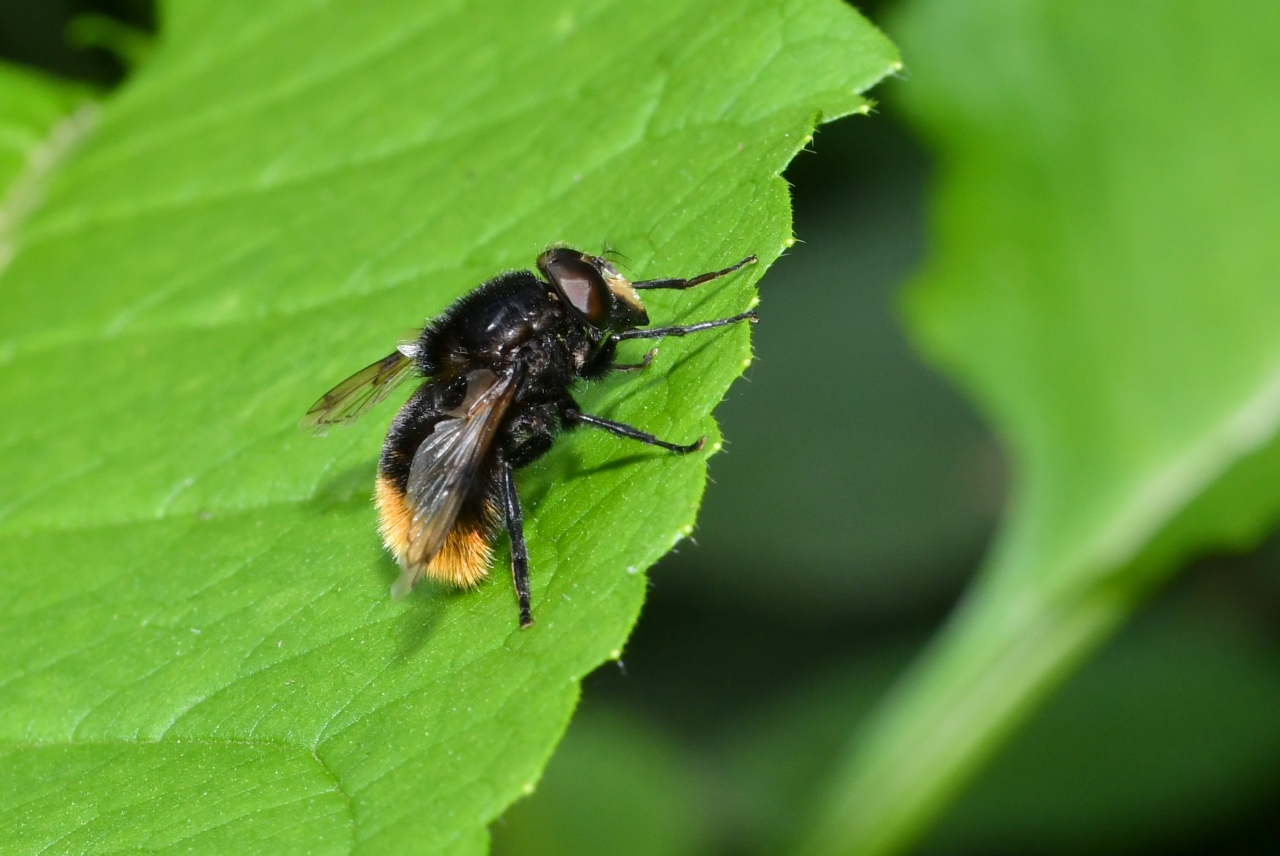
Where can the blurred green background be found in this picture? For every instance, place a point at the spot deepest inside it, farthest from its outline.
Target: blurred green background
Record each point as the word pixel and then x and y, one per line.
pixel 856 496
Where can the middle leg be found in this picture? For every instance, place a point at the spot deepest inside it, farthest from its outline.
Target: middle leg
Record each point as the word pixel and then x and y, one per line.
pixel 621 429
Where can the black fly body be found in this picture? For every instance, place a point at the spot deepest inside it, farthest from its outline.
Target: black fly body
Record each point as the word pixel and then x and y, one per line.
pixel 499 364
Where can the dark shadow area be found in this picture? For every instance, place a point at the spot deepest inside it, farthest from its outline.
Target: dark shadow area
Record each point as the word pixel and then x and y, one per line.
pixel 430 601
pixel 39 33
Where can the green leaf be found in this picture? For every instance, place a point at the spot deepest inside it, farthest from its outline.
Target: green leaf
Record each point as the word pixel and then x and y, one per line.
pixel 195 603
pixel 1168 734
pixel 1103 284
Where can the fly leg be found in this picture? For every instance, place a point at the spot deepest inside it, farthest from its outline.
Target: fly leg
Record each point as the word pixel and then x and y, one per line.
pixel 684 329
pixel 621 429
pixel 697 280
pixel 519 550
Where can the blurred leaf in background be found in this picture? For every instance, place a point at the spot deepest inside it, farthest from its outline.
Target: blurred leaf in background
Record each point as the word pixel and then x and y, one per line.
pixel 1102 279
pixel 194 595
pixel 1169 737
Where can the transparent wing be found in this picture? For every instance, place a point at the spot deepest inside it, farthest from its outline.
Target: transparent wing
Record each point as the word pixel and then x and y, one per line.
pixel 445 467
pixel 349 400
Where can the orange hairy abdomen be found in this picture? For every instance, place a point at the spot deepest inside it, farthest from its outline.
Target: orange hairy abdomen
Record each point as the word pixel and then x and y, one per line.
pixel 464 559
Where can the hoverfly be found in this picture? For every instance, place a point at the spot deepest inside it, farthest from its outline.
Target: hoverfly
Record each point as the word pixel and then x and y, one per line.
pixel 499 364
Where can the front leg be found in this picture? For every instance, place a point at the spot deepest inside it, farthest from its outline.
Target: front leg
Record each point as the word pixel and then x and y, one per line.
pixel 696 281
pixel 684 329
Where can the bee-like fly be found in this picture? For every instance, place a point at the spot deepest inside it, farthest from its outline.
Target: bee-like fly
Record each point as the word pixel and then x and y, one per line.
pixel 499 363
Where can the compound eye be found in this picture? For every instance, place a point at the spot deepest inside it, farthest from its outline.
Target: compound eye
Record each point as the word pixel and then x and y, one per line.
pixel 579 283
